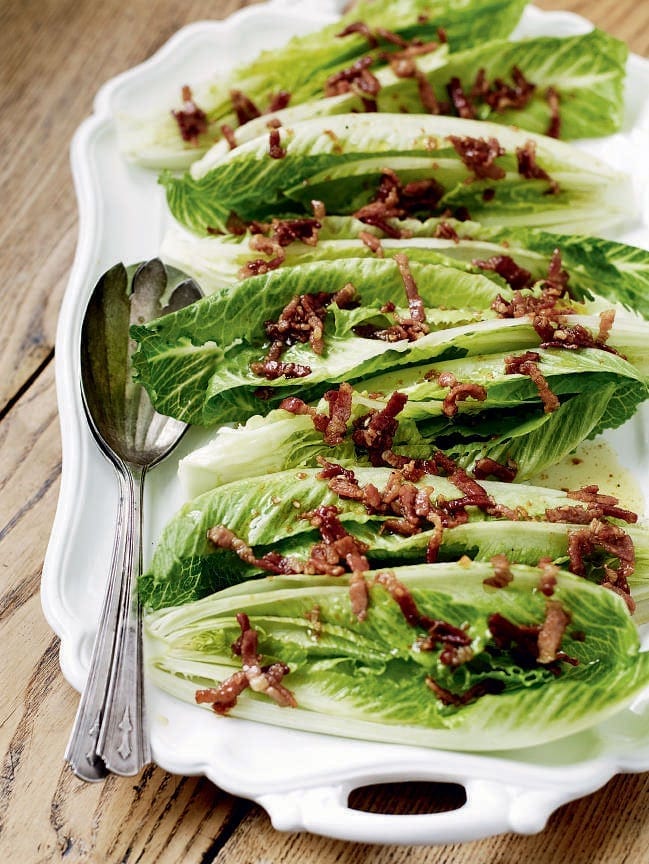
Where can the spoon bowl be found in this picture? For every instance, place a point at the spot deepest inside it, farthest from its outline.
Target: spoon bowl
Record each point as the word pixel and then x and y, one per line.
pixel 109 733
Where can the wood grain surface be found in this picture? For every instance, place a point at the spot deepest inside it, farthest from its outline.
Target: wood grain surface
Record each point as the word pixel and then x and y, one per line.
pixel 54 55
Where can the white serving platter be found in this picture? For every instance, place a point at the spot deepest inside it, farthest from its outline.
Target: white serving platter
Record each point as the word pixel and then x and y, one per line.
pixel 303 780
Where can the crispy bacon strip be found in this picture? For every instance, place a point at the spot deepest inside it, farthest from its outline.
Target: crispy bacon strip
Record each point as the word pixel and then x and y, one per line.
pixel 358 79
pixel 502 573
pixel 261 679
pixel 612 540
pixel 479 155
pixel 455 641
pixel 505 266
pixel 461 101
pixel 191 120
pixel 528 167
pixel 526 364
pixel 275 149
pixel 243 107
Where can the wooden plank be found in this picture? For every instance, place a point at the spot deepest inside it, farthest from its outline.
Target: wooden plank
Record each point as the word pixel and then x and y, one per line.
pixel 626 19
pixel 46 812
pixel 55 56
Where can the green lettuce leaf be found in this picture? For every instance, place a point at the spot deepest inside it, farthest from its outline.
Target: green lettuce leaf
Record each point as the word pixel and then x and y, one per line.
pixel 368 679
pixel 195 364
pixel 586 72
pixel 267 513
pixel 338 160
pixel 597 268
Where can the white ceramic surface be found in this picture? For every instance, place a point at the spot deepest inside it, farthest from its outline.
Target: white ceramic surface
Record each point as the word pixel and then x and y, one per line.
pixel 301 779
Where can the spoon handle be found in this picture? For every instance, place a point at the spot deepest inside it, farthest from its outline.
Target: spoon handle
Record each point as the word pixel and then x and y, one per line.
pixel 81 752
pixel 123 743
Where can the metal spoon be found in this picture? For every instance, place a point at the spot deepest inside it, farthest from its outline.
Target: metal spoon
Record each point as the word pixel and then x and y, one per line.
pixel 109 733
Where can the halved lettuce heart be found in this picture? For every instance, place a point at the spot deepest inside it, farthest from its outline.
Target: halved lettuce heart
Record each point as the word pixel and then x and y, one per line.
pixel 596 268
pixel 195 363
pixel 586 72
pixel 267 513
pixel 302 67
pixel 339 160
pixel 368 679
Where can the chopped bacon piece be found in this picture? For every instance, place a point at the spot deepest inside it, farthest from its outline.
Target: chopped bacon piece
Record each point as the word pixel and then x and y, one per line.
pixel 228 133
pixel 333 426
pixel 375 431
pixel 415 303
pixel 259 266
pixel 286 231
pixel 243 107
pixel 191 120
pixel 548 580
pixel 359 595
pixel 505 266
pixel 455 641
pixel 523 638
pixel 460 393
pixel 224 697
pixel 487 467
pixel 557 278
pixel 551 632
pixel 332 469
pixel 273 369
pixel 404 66
pixel 480 688
pixel 526 364
pixel 609 539
pixel 393 200
pixel 412 328
pixel 261 679
pixel 606 321
pixel 554 126
pixel 337 545
pixel 528 167
pixel 575 515
pixel 460 100
pixel 361 29
pixel 372 242
pixel 301 320
pixel 607 503
pixel 279 101
pixel 479 155
pixel 435 539
pixel 224 538
pixel 340 409
pixel 532 644
pixel 502 575
pixel 555 332
pixel 499 95
pixel 275 149
pixel 358 79
pixel 445 231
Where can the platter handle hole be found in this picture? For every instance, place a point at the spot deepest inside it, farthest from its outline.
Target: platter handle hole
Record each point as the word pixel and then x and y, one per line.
pixel 408 798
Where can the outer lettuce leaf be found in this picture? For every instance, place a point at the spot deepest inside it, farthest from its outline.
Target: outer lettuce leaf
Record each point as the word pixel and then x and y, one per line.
pixel 598 268
pixel 267 513
pixel 302 66
pixel 586 71
pixel 338 160
pixel 195 364
pixel 523 434
pixel 368 679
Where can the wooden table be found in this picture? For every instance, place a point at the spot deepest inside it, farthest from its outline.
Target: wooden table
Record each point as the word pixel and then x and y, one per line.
pixel 54 55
